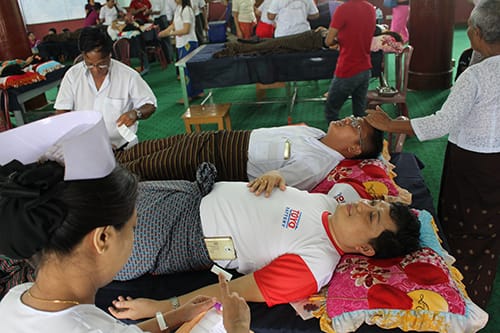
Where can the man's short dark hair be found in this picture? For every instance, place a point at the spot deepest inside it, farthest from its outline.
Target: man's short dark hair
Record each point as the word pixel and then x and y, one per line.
pixel 95 39
pixel 402 242
pixel 372 145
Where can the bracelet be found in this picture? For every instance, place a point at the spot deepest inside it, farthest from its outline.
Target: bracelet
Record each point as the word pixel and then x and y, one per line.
pixel 161 321
pixel 175 302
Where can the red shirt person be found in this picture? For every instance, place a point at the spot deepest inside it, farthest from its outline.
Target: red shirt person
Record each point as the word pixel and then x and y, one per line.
pixel 140 9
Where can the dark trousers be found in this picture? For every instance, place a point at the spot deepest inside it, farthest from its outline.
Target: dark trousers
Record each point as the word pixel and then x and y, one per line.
pixel 340 90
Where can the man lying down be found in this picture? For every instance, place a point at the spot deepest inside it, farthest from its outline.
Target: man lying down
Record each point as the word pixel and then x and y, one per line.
pixel 307 41
pixel 287 245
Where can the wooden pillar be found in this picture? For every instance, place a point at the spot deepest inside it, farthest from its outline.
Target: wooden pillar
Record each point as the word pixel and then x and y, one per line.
pixel 14 42
pixel 431 34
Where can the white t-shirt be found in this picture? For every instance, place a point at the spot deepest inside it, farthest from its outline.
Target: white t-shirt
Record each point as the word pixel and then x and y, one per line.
pixel 171 5
pixel 310 160
pixel 471 113
pixel 108 15
pixel 86 318
pixel 159 6
pixel 245 10
pixel 197 5
pixel 292 16
pixel 286 232
pixel 180 17
pixel 123 90
pixel 263 10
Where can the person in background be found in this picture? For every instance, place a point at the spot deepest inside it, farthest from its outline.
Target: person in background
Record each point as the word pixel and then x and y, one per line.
pixel 265 26
pixel 469 199
pixel 80 229
pixel 243 12
pixel 352 28
pixel 400 16
pixel 291 16
pixel 92 17
pixel 106 85
pixel 185 39
pixel 140 10
pixel 110 12
pixel 89 7
pixel 33 42
pixel 201 23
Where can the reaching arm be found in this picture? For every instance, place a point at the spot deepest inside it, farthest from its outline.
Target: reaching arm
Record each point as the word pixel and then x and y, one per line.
pixel 380 120
pixel 166 32
pixel 130 117
pixel 313 16
pixel 140 308
pixel 331 37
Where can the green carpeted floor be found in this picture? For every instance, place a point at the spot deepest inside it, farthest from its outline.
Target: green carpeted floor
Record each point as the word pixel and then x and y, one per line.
pixel 166 121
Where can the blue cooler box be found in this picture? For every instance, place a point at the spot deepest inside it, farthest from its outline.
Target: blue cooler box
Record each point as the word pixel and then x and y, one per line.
pixel 217 32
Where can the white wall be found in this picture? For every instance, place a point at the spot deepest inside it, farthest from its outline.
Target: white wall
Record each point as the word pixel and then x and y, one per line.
pixel 37 11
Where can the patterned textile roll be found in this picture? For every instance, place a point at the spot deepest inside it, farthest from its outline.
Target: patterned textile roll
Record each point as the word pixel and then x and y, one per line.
pixel 469 212
pixel 178 156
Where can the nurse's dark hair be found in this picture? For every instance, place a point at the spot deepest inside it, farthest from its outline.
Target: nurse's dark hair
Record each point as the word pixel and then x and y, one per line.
pixel 94 203
pixel 40 212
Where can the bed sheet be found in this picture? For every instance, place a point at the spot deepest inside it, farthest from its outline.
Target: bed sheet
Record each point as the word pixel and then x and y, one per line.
pixel 208 72
pixel 17 96
pixel 281 318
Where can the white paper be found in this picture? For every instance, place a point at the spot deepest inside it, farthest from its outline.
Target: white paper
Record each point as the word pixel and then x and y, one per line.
pixel 210 323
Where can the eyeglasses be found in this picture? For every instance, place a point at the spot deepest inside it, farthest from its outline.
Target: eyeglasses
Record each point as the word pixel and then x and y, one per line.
pixel 103 66
pixel 355 122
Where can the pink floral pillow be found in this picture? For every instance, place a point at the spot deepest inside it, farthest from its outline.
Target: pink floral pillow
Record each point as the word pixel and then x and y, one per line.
pixel 369 177
pixel 419 292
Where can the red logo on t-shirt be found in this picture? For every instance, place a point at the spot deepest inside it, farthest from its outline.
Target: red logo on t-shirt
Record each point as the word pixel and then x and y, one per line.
pixel 291 218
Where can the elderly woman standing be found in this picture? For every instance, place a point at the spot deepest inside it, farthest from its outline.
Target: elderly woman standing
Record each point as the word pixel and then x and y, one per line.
pixel 469 200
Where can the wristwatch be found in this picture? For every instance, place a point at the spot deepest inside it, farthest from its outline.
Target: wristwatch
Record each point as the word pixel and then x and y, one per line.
pixel 138 113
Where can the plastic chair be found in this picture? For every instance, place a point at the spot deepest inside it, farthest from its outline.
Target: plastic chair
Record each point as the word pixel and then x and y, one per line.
pixel 396 140
pixel 121 50
pixel 402 62
pixel 152 46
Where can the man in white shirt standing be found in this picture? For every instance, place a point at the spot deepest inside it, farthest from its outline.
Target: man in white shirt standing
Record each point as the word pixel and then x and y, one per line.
pixel 291 16
pixel 106 85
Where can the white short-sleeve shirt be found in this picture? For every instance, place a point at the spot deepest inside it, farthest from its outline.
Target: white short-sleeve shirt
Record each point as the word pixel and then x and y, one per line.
pixel 123 90
pixel 245 10
pixel 84 318
pixel 292 16
pixel 290 222
pixel 310 160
